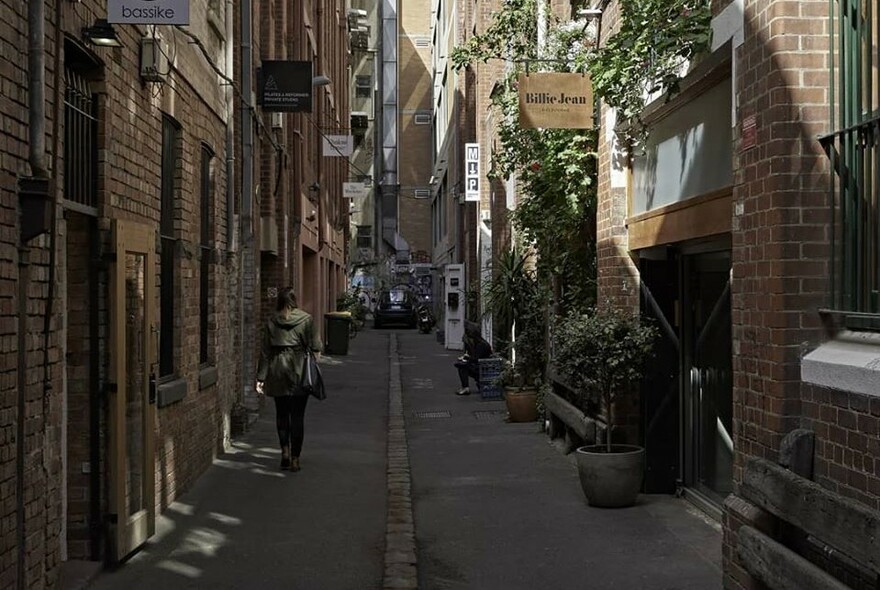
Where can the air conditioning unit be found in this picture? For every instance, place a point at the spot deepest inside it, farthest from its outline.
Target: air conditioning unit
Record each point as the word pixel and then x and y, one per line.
pixel 154 60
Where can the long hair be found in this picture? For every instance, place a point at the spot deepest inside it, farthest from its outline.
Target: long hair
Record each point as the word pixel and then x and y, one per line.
pixel 286 299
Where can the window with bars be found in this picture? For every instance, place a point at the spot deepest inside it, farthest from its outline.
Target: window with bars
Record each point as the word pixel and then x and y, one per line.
pixel 80 143
pixel 168 242
pixel 206 203
pixel 854 152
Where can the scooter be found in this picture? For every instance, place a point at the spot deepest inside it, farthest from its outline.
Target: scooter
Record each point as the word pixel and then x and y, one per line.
pixel 425 318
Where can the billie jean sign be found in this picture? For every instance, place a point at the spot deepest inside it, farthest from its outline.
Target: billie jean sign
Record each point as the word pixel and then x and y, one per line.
pixel 148 12
pixel 555 101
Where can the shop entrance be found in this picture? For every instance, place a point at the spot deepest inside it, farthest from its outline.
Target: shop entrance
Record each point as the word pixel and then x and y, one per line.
pixel 707 375
pixel 688 390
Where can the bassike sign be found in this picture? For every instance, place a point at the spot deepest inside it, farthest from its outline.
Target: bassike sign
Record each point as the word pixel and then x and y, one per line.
pixel 148 12
pixel 553 100
pixel 471 172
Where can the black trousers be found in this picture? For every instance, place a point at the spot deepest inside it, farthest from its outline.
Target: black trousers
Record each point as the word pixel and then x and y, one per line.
pixel 289 413
pixel 467 370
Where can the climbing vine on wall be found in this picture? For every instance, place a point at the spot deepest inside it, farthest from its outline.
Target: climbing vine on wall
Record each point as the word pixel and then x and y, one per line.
pixel 557 167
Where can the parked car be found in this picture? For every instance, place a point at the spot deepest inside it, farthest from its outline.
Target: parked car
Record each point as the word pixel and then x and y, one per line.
pixel 396 306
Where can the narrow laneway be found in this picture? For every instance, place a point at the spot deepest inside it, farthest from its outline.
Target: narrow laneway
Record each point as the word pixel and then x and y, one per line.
pixel 495 506
pixel 245 524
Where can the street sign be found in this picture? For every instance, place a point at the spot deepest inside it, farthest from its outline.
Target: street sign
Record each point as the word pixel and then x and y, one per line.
pixel 338 146
pixel 285 86
pixel 353 190
pixel 148 12
pixel 471 172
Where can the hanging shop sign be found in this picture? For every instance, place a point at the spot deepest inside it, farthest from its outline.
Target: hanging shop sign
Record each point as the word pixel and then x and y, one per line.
pixel 353 190
pixel 471 172
pixel 148 12
pixel 285 86
pixel 338 146
pixel 553 100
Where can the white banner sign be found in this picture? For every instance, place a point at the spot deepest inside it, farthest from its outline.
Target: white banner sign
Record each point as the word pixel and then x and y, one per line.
pixel 338 146
pixel 354 190
pixel 471 172
pixel 148 12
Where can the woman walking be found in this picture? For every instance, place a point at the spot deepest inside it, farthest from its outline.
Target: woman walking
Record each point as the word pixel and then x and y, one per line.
pixel 286 336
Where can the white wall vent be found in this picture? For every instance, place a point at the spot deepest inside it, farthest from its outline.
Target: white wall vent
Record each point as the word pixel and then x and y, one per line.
pixel 422 193
pixel 423 118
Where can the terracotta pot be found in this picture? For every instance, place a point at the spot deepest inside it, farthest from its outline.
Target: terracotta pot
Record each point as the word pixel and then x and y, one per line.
pixel 611 480
pixel 522 404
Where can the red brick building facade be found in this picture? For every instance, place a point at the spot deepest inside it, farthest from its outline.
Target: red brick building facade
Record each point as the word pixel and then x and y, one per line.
pixel 745 267
pixel 130 301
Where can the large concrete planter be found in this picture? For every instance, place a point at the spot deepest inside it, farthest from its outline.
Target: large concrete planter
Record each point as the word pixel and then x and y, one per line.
pixel 522 404
pixel 611 480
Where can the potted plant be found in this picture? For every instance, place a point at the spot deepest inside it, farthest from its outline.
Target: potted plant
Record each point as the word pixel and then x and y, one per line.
pixel 602 355
pixel 515 300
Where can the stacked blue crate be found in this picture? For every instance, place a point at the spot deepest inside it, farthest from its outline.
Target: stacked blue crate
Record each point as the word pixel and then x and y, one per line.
pixel 490 375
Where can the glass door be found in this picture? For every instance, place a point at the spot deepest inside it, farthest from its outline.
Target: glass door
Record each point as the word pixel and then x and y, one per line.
pixel 708 374
pixel 132 403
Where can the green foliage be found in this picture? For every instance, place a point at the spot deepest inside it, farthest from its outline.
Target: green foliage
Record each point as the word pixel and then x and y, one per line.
pixel 655 40
pixel 518 302
pixel 350 301
pixel 513 35
pixel 602 355
pixel 558 212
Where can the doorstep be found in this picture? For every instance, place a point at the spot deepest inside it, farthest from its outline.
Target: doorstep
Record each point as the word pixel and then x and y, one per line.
pixel 77 574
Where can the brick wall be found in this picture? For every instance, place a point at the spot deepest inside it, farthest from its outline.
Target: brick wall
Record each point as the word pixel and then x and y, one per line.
pixel 780 238
pixel 780 260
pixel 193 430
pixel 847 427
pixel 616 274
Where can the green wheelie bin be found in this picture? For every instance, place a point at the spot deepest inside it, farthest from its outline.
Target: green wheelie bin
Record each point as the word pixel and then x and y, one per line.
pixel 337 328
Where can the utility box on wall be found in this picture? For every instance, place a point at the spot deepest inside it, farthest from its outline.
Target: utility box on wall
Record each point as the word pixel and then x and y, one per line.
pixel 454 306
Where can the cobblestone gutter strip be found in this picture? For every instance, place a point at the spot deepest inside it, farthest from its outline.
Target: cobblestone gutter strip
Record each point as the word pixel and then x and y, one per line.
pixel 401 567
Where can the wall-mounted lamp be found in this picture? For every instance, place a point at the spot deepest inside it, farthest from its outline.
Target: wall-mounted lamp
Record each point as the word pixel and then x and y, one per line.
pixel 315 187
pixel 320 80
pixel 101 34
pixel 432 180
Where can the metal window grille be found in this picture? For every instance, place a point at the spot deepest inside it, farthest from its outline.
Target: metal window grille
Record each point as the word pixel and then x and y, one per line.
pixel 80 143
pixel 855 160
pixel 206 203
pixel 170 138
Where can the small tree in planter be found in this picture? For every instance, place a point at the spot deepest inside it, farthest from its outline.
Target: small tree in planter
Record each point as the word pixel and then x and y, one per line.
pixel 602 355
pixel 516 300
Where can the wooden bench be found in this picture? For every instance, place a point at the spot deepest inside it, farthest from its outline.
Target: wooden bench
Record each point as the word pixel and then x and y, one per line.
pixel 810 520
pixel 569 426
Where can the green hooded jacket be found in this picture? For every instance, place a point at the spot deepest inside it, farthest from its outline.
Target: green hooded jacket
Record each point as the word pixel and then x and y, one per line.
pixel 281 359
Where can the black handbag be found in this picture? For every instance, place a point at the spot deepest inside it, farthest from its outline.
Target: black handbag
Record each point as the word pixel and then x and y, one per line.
pixel 311 381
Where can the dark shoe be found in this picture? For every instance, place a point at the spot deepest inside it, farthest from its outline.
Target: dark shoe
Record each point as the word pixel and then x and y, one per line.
pixel 294 464
pixel 285 458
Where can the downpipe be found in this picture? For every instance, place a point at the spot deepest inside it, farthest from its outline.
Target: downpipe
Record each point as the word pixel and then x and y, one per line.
pixel 24 272
pixel 37 162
